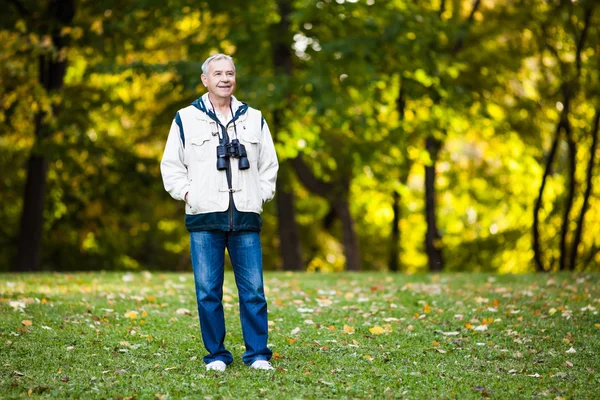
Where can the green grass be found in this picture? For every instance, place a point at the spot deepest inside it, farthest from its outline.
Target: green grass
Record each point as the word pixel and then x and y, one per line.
pixel 80 344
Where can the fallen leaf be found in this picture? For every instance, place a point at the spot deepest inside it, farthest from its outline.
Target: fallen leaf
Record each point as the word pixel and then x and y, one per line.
pixel 331 328
pixel 131 314
pixel 568 363
pixel 552 311
pixel 64 379
pixel 27 322
pixel 441 351
pixel 450 333
pixel 369 357
pixel 170 368
pixel 426 308
pixel 295 331
pixel 292 341
pixel 183 311
pixel 435 343
pixel 481 328
pixel 377 330
pixel 468 326
pixel 348 329
pixel 571 350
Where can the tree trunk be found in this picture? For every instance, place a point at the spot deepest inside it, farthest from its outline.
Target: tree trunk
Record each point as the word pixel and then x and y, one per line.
pixel 432 237
pixel 587 194
pixel 289 237
pixel 349 238
pixel 32 221
pixel 394 262
pixel 570 196
pixel 290 245
pixel 537 248
pixel 52 70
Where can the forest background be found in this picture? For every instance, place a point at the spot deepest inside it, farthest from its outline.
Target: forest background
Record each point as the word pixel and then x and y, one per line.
pixel 413 136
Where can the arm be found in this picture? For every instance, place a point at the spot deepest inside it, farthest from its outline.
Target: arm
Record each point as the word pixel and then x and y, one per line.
pixel 267 164
pixel 172 166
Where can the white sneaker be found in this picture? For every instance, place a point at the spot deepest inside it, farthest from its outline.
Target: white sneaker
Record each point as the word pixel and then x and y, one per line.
pixel 262 364
pixel 216 366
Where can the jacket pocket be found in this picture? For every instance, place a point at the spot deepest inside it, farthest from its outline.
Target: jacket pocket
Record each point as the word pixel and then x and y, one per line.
pixel 251 143
pixel 200 147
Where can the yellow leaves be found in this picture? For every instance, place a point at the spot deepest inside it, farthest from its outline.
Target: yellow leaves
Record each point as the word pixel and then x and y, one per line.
pixel 426 308
pixel 348 329
pixel 468 326
pixel 131 314
pixel 552 311
pixel 487 321
pixel 292 341
pixel 597 325
pixel 496 303
pixel 435 343
pixel 377 330
pixel 368 357
pixel 27 322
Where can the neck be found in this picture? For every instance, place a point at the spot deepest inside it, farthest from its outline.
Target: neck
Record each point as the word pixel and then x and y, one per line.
pixel 220 103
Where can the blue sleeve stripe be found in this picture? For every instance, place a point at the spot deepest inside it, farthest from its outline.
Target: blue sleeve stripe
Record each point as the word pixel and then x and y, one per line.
pixel 180 125
pixel 262 123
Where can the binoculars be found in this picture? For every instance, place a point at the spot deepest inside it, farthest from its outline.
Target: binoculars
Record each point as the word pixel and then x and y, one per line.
pixel 233 149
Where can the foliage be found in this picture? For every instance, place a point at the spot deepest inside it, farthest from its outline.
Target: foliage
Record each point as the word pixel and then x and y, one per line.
pixel 485 83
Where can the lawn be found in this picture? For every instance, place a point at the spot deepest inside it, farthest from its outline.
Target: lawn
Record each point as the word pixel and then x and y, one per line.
pixel 368 335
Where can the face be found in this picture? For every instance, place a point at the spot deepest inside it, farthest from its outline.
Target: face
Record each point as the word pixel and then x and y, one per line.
pixel 220 80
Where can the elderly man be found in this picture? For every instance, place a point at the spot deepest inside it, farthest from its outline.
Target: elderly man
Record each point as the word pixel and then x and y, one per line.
pixel 220 159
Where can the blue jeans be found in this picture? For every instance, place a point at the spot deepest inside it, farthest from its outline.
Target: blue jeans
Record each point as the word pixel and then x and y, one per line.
pixel 208 258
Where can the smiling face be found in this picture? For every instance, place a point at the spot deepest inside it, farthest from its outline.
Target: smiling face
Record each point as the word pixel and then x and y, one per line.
pixel 220 79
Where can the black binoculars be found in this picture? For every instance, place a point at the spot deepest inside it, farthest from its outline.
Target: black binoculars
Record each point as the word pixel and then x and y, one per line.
pixel 232 149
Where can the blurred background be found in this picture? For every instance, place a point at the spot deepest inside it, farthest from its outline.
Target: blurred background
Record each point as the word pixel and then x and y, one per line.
pixel 413 136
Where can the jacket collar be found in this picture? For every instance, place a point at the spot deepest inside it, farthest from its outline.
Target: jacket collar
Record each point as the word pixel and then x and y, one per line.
pixel 203 104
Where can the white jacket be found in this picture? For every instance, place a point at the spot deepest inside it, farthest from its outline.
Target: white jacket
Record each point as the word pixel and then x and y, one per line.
pixel 189 163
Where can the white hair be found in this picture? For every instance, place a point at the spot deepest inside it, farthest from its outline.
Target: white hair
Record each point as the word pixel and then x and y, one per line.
pixel 216 57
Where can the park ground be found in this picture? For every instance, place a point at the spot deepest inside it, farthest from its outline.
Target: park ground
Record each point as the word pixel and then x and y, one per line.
pixel 347 335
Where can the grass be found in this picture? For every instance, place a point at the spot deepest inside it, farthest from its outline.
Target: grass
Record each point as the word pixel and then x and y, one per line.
pixel 108 335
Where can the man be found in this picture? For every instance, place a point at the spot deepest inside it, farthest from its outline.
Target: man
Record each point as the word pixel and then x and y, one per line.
pixel 220 159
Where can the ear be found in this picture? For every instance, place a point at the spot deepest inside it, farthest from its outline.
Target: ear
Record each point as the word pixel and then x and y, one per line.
pixel 204 80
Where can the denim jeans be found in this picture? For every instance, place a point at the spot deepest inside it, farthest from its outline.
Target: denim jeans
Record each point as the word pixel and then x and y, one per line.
pixel 208 258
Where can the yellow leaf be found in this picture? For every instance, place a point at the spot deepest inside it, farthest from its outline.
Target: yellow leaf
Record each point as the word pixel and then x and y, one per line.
pixel 496 303
pixel 487 321
pixel 369 357
pixel 426 308
pixel 377 330
pixel 468 326
pixel 144 314
pixel 291 341
pixel 131 314
pixel 348 329
pixel 435 343
pixel 151 299
pixel 26 322
pixel 331 328
pixel 597 325
pixel 552 311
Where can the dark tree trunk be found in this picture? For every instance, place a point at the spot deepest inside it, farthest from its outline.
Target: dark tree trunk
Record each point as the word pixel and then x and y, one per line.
pixel 570 195
pixel 587 194
pixel 394 262
pixel 52 70
pixel 537 248
pixel 349 238
pixel 432 237
pixel 289 236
